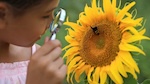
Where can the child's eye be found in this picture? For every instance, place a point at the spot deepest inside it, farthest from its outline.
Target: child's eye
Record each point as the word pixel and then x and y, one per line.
pixel 46 17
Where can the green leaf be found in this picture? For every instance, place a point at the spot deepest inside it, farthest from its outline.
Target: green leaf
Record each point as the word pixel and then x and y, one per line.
pixel 147 81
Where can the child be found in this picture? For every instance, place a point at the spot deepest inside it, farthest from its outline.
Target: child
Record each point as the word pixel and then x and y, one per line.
pixel 22 22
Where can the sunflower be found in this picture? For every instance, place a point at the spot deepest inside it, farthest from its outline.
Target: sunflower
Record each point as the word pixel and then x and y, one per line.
pixel 101 42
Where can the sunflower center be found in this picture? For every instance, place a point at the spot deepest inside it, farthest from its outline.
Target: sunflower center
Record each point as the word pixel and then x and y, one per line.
pixel 101 49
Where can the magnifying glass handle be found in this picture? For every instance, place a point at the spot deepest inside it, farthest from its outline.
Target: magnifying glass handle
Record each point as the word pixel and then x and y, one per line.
pixel 53 36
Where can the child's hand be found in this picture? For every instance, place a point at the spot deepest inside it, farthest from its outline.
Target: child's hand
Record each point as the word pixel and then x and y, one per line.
pixel 46 66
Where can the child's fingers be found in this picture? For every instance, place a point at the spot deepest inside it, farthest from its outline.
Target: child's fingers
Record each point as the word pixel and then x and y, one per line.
pixel 54 67
pixel 62 72
pixel 47 48
pixel 53 55
pixel 59 73
pixel 57 63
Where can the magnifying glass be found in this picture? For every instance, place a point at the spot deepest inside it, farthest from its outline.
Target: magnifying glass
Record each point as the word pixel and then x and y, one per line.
pixel 57 23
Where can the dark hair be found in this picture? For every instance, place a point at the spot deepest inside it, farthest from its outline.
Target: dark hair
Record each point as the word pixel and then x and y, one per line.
pixel 22 4
pixel 19 6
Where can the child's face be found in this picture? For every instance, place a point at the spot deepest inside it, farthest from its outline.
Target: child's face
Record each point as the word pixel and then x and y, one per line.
pixel 27 29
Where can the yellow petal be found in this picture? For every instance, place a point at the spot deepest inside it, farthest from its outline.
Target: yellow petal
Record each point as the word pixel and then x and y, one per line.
pixel 122 12
pixel 71 51
pixel 138 21
pixel 114 5
pixel 87 70
pixel 71 67
pixel 68 77
pixel 71 56
pixel 96 75
pixel 76 34
pixel 111 75
pixel 137 38
pixel 120 66
pixel 71 78
pixel 89 13
pixel 103 75
pixel 107 6
pixel 74 26
pixel 71 32
pixel 66 47
pixel 142 32
pixel 131 22
pixel 130 70
pixel 89 75
pixel 79 72
pixel 84 20
pixel 71 40
pixel 126 36
pixel 95 10
pixel 115 73
pixel 127 59
pixel 73 62
pixel 94 4
pixel 80 63
pixel 109 9
pixel 132 29
pixel 130 47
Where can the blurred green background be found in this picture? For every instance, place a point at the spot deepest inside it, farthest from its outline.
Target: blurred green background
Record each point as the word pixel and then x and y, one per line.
pixel 74 7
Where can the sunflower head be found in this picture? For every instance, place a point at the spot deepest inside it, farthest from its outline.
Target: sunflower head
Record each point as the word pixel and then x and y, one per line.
pixel 100 43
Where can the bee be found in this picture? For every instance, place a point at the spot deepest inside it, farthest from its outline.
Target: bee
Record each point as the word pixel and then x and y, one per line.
pixel 95 30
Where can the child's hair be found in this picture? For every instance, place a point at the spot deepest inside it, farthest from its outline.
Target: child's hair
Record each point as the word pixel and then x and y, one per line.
pixel 20 6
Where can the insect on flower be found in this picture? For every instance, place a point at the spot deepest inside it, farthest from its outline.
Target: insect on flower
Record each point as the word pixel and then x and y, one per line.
pixel 95 30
